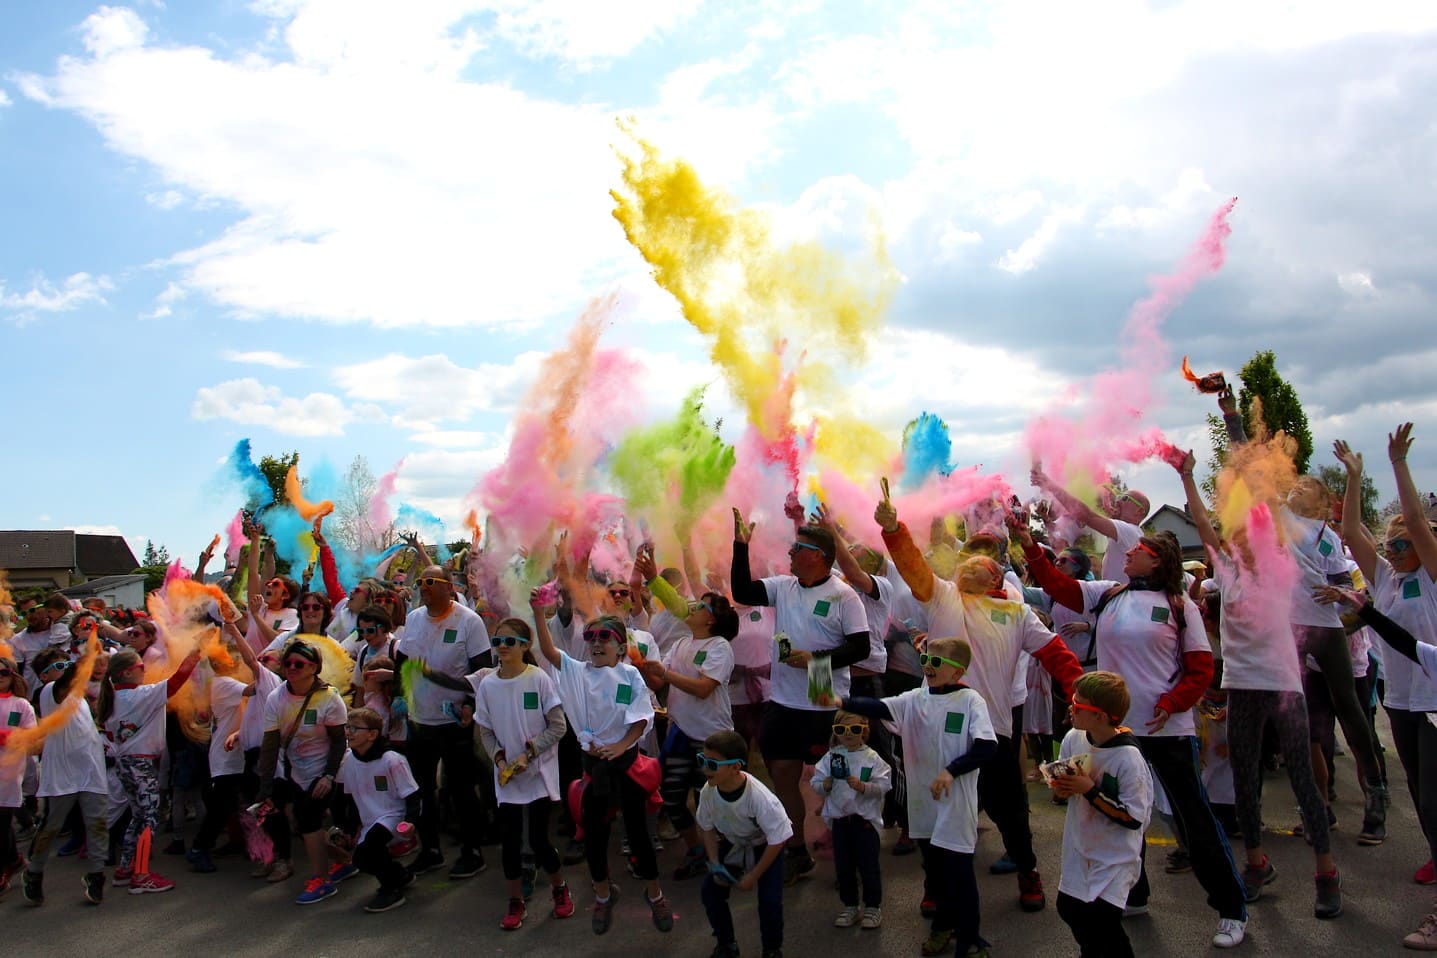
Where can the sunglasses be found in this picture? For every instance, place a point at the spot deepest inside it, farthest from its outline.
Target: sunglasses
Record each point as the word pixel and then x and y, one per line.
pixel 368 630
pixel 799 546
pixel 356 729
pixel 509 641
pixel 430 581
pixel 297 663
pixel 603 635
pixel 385 600
pixel 1397 546
pixel 1144 547
pixel 849 729
pixel 5 673
pixel 1085 707
pixel 272 583
pixel 714 764
pixel 311 607
pixel 59 666
pixel 700 604
pixel 937 661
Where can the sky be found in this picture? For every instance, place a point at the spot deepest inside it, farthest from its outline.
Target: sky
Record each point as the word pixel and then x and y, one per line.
pixel 348 227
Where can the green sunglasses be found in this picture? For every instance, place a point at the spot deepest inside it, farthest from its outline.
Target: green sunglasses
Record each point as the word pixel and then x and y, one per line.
pixel 938 661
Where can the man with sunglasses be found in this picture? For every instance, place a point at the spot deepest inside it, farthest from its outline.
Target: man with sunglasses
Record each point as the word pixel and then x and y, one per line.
pixel 41 632
pixel 819 616
pixel 452 642
pixel 1119 522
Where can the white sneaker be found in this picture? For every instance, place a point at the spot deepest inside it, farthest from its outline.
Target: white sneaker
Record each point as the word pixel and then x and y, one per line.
pixel 1230 933
pixel 872 918
pixel 847 918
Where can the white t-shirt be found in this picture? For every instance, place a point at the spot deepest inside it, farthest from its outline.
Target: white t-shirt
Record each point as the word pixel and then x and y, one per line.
pixel 752 649
pixel 936 730
pixel 252 722
pixel 667 629
pixel 695 658
pixel 15 713
pixel 602 702
pixel 343 622
pixel 137 725
pixel 1116 555
pixel 1410 600
pixel 1259 652
pixel 1102 859
pixel 74 756
pixel 1317 549
pixel 283 620
pixel 309 748
pixel 446 644
pixel 996 630
pixel 815 619
pixel 378 788
pixel 877 611
pixel 516 710
pixel 844 800
pixel 907 614
pixel 755 820
pixel 226 697
pixel 1138 639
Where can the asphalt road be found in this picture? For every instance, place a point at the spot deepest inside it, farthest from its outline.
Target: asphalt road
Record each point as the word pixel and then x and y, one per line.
pixel 229 913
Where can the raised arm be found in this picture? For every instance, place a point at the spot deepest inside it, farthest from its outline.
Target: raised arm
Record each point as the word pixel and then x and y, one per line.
pixel 1418 530
pixel 1196 509
pixel 1354 533
pixel 205 555
pixel 899 542
pixel 254 586
pixel 1064 589
pixel 848 565
pixel 541 630
pixel 745 590
pixel 1073 506
pixel 328 569
pixel 646 570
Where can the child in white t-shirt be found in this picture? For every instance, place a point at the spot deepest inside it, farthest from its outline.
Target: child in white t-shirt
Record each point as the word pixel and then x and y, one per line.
pixel 947 735
pixel 853 781
pixel 1103 833
pixel 745 828
pixel 15 713
pixel 381 786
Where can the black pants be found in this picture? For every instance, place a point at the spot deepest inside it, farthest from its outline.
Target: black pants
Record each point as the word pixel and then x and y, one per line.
pixel 1174 763
pixel 1004 796
pixel 1097 925
pixel 1329 648
pixel 610 786
pixel 855 856
pixel 1416 742
pixel 372 857
pixel 222 794
pixel 9 854
pixel 949 877
pixel 681 776
pixel 511 831
pixel 1249 712
pixel 454 746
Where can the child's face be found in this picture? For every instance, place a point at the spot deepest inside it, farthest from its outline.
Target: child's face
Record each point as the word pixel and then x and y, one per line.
pixel 509 646
pixel 605 645
pixel 724 773
pixel 844 731
pixel 940 670
pixel 1086 716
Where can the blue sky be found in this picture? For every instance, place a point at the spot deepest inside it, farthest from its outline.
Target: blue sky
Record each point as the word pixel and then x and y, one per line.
pixel 354 227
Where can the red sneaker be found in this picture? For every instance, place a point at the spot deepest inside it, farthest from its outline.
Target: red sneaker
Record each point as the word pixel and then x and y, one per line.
pixel 1030 892
pixel 563 902
pixel 123 876
pixel 514 917
pixel 150 883
pixel 1426 875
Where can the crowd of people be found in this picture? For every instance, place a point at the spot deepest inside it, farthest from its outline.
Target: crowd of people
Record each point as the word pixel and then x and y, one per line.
pixel 904 688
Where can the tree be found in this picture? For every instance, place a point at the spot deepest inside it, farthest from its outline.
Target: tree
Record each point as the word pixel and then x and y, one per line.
pixel 154 576
pixel 155 555
pixel 353 528
pixel 275 468
pixel 1334 477
pixel 1281 412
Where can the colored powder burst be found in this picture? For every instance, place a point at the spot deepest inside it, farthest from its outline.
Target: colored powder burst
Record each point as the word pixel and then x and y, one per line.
pixel 184 613
pixel 294 492
pixel 293 537
pixel 335 665
pixel 1277 575
pixel 679 466
pixel 235 538
pixel 1258 471
pixel 379 513
pixel 1109 426
pixel 239 467
pixel 927 450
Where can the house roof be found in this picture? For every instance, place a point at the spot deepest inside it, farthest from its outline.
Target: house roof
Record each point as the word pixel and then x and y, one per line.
pixel 1180 514
pixel 95 586
pixel 104 555
pixel 38 549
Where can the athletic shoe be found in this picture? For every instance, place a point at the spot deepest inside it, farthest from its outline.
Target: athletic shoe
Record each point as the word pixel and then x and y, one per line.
pixel 1133 911
pixel 1230 933
pixel 468 865
pixel 386 899
pixel 563 902
pixel 1003 866
pixel 574 853
pixel 261 870
pixel 928 909
pixel 1329 896
pixel 662 914
pixel 201 861
pixel 34 888
pixel 283 869
pixel 847 918
pixel 904 845
pixel 796 864
pixel 514 917
pixel 341 871
pixel 9 872
pixel 1178 862
pixel 123 874
pixel 317 889
pixel 667 831
pixel 773 953
pixel 1030 892
pixel 696 864
pixel 872 918
pixel 1425 937
pixel 604 911
pixel 725 951
pixel 150 883
pixel 1426 875
pixel 1254 877
pixel 1374 816
pixel 937 943
pixel 95 887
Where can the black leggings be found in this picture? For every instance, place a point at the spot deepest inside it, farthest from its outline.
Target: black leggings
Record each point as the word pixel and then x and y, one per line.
pixel 372 857
pixel 1097 925
pixel 1329 647
pixel 9 853
pixel 681 777
pixel 1416 742
pixel 1248 712
pixel 511 831
pixel 610 785
pixel 222 794
pixel 1004 796
pixel 950 884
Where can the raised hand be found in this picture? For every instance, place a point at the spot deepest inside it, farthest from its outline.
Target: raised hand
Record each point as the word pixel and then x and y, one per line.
pixel 1399 442
pixel 742 531
pixel 1349 458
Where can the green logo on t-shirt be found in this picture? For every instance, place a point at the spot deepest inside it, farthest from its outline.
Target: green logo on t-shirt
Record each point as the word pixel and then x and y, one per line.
pixel 13 719
pixel 277 626
pixel 531 700
pixel 700 656
pixel 999 616
pixel 451 636
pixel 624 694
pixel 1109 786
pixel 820 608
pixel 381 783
pixel 311 716
pixel 1411 589
pixel 1160 614
pixel 755 615
pixel 954 723
pixel 1324 547
pixel 643 648
pixel 864 774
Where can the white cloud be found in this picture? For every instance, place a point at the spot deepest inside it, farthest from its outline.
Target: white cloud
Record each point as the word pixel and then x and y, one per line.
pixel 248 402
pixel 165 199
pixel 263 358
pixel 1027 255
pixel 165 302
pixel 448 392
pixel 581 31
pixel 75 291
pixel 112 29
pixel 5 99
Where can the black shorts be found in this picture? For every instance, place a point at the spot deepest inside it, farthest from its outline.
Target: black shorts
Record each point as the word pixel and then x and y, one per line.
pixel 308 810
pixel 789 734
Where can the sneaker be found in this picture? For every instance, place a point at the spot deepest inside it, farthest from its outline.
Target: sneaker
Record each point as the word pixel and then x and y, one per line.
pixel 317 889
pixel 514 917
pixel 34 888
pixel 175 847
pixel 342 871
pixel 1426 875
pixel 95 887
pixel 662 914
pixel 8 873
pixel 1374 816
pixel 1230 933
pixel 667 831
pixel 281 870
pixel 201 861
pixel 725 951
pixel 773 953
pixel 386 899
pixel 150 883
pixel 796 865
pixel 468 865
pixel 574 854
pixel 872 918
pixel 1133 911
pixel 1178 862
pixel 847 918
pixel 123 874
pixel 1329 896
pixel 1423 939
pixel 696 865
pixel 1254 877
pixel 427 860
pixel 937 943
pixel 657 844
pixel 604 911
pixel 1003 866
pixel 1030 892
pixel 928 909
pixel 563 901
pixel 904 845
